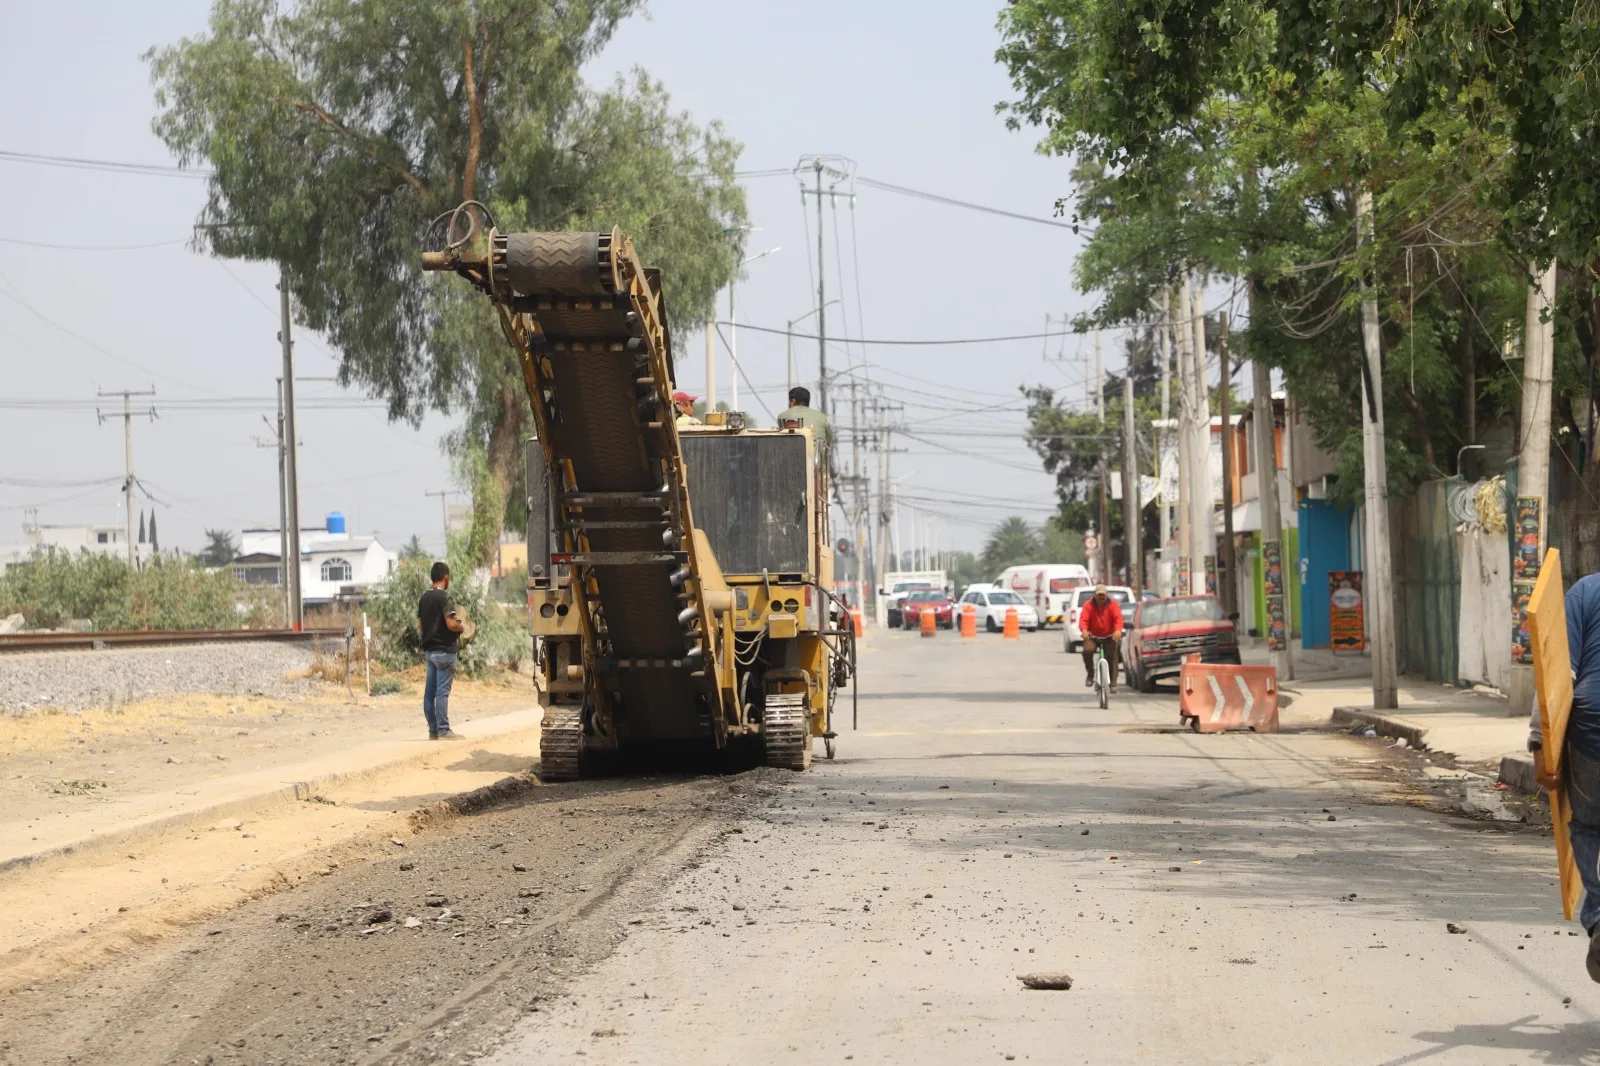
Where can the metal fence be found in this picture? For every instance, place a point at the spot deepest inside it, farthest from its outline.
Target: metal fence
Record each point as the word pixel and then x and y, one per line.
pixel 1427 569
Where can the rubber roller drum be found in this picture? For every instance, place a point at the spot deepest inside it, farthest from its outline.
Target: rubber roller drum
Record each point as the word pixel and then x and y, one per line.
pixel 558 264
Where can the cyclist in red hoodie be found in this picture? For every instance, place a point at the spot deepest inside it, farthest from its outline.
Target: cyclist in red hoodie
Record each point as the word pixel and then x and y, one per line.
pixel 1101 622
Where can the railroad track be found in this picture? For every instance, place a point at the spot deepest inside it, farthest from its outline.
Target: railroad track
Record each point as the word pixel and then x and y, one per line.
pixel 15 642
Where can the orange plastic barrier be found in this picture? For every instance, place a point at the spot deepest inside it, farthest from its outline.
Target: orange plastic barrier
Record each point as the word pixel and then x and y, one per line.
pixel 1213 697
pixel 930 624
pixel 1013 629
pixel 855 617
pixel 969 621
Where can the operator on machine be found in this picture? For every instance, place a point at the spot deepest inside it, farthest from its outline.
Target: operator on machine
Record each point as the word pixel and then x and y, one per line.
pixel 1101 622
pixel 684 403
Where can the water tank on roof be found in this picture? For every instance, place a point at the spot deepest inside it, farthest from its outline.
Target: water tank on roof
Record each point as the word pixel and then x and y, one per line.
pixel 336 522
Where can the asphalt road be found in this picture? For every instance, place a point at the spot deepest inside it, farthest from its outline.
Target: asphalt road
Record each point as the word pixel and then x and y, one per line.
pixel 1229 899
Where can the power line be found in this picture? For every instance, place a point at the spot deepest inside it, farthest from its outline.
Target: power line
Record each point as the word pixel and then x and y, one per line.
pixel 914 343
pixel 106 165
pixel 90 247
pixel 950 201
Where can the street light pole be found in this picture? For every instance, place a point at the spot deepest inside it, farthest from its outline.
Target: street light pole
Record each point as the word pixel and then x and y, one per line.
pixel 789 339
pixel 733 322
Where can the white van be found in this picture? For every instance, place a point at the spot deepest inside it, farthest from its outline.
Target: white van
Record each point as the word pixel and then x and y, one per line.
pixel 1047 586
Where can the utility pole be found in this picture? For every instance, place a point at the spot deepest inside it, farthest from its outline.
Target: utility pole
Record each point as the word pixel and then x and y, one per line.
pixel 1228 581
pixel 822 303
pixel 1100 416
pixel 1099 381
pixel 1275 570
pixel 1183 584
pixel 733 349
pixel 1379 576
pixel 444 512
pixel 1533 460
pixel 1203 555
pixel 1132 533
pixel 711 366
pixel 1164 510
pixel 291 466
pixel 276 443
pixel 127 448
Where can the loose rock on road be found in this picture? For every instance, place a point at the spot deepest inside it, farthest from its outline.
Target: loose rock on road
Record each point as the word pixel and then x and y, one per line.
pixel 987 822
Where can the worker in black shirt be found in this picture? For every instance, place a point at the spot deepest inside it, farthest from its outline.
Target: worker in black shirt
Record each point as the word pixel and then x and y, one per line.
pixel 440 627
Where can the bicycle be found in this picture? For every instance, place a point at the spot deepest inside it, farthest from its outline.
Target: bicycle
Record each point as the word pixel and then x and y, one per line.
pixel 1102 671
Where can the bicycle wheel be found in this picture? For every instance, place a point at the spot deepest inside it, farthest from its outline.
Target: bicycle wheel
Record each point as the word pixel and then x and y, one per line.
pixel 1102 679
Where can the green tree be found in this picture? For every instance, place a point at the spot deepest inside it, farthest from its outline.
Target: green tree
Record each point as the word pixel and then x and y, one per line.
pixel 337 129
pixel 141 528
pixel 155 541
pixel 413 549
pixel 220 549
pixel 1010 543
pixel 1231 137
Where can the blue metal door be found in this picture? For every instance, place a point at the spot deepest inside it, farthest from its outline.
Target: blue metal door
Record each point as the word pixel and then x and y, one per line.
pixel 1324 546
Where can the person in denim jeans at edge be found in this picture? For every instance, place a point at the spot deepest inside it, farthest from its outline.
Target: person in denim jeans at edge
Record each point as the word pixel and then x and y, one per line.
pixel 440 629
pixel 1581 762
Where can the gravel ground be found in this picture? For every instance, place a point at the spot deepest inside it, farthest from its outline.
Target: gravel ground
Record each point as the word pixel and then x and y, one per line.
pixel 80 680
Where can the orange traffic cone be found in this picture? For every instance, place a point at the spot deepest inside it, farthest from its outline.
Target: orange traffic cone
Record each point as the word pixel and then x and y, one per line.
pixel 855 617
pixel 969 621
pixel 929 623
pixel 1013 630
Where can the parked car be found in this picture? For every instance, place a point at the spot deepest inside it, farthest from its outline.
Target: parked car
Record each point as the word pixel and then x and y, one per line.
pixel 991 605
pixel 934 601
pixel 901 590
pixel 1071 632
pixel 1161 632
pixel 1047 587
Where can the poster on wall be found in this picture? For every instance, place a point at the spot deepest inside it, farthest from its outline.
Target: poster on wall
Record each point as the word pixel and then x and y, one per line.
pixel 1521 639
pixel 1346 611
pixel 1525 556
pixel 1272 568
pixel 1183 576
pixel 1277 625
pixel 1211 574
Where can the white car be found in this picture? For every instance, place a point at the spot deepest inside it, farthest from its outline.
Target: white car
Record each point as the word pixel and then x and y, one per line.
pixel 991 605
pixel 1071 633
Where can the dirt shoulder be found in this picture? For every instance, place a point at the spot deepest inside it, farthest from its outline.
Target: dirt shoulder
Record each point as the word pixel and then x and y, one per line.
pixel 69 773
pixel 396 954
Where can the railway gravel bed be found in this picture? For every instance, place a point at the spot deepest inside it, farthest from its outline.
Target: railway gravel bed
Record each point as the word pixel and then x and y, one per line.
pixel 77 680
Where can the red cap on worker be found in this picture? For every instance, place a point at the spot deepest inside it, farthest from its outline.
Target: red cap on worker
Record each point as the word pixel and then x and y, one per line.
pixel 683 397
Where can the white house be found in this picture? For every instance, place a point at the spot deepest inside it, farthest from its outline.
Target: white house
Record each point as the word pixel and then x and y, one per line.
pixel 97 540
pixel 332 562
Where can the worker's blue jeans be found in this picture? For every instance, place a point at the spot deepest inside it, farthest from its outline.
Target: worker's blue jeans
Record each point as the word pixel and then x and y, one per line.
pixel 436 691
pixel 1583 792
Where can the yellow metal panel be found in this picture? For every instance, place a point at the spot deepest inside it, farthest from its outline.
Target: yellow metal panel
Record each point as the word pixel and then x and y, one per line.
pixel 1552 678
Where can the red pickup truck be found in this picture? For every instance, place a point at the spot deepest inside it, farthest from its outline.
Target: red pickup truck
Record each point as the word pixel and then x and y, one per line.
pixel 1159 633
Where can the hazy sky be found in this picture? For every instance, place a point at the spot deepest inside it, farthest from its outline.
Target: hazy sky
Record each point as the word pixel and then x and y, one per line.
pixel 907 92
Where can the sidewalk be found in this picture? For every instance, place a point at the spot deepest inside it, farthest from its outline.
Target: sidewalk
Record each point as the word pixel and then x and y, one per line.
pixel 1475 726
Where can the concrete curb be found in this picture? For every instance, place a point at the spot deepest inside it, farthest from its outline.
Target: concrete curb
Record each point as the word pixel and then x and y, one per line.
pixel 1517 771
pixel 1382 724
pixel 295 791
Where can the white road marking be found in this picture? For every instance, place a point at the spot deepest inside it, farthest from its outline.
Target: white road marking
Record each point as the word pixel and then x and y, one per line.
pixel 1220 703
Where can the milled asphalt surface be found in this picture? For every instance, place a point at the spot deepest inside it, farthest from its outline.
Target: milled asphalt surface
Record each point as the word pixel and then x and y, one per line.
pixel 1222 899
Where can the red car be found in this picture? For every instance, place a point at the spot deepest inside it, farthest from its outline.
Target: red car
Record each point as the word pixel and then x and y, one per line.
pixel 935 601
pixel 1157 634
